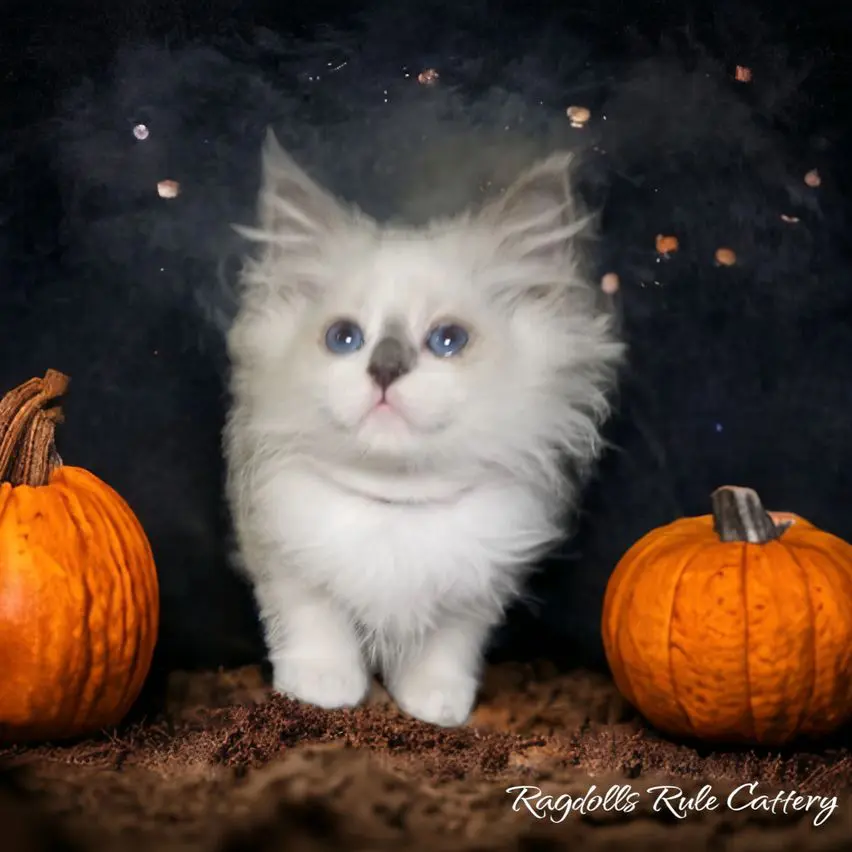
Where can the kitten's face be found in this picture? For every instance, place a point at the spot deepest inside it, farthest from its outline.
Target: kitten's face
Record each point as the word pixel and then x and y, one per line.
pixel 418 349
pixel 403 354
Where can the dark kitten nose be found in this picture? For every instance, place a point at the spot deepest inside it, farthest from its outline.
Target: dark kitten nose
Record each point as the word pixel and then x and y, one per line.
pixel 391 359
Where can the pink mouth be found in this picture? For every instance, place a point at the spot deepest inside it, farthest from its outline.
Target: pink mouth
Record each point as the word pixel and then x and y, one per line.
pixel 384 408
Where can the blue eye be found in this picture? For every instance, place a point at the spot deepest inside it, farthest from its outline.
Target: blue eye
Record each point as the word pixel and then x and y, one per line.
pixel 447 340
pixel 344 337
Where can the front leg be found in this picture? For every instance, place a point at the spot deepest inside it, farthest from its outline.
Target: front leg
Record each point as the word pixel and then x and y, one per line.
pixel 439 680
pixel 313 648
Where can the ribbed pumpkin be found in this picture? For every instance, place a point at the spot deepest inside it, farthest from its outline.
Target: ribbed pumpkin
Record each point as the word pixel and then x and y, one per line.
pixel 734 627
pixel 79 599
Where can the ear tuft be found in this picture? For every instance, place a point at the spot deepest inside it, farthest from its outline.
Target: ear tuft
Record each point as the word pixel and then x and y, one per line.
pixel 293 210
pixel 537 216
pixel 298 225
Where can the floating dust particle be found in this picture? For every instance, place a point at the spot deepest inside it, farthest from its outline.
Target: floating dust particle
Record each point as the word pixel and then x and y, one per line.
pixel 667 244
pixel 726 257
pixel 141 132
pixel 168 189
pixel 578 115
pixel 428 77
pixel 742 74
pixel 790 219
pixel 610 283
pixel 812 178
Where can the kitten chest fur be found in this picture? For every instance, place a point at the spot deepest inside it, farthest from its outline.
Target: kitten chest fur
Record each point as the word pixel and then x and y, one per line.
pixel 395 566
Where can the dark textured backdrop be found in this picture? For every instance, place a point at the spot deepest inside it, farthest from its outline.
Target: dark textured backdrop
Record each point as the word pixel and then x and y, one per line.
pixel 739 374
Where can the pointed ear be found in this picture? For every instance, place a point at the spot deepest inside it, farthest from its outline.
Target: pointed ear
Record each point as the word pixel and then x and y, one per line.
pixel 294 212
pixel 537 216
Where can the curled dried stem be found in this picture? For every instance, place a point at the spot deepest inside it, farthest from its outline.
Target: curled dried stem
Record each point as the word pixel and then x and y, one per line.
pixel 28 421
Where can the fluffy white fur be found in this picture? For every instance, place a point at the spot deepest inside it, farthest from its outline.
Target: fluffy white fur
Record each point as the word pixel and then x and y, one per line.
pixel 392 539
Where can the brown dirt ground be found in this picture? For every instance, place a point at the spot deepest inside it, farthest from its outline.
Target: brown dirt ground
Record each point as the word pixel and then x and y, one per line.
pixel 230 767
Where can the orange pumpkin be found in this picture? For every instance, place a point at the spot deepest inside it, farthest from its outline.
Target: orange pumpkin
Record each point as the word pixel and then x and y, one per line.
pixel 734 627
pixel 79 598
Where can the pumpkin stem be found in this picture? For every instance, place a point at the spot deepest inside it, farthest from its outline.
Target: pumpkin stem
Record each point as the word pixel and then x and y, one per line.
pixel 738 515
pixel 27 450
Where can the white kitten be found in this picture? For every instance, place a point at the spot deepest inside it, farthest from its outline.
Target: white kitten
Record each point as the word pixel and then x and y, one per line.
pixel 404 401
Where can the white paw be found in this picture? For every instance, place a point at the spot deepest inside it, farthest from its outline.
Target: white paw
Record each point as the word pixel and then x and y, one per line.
pixel 329 684
pixel 440 700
